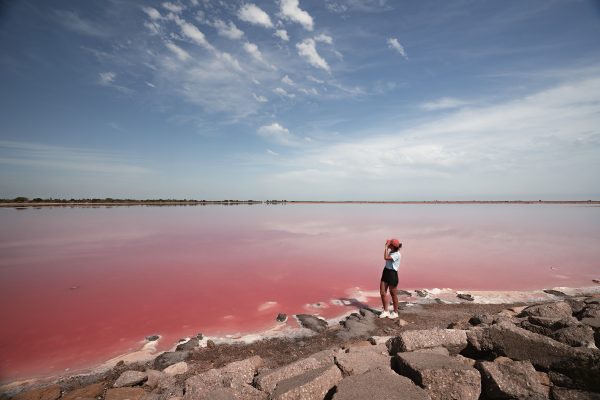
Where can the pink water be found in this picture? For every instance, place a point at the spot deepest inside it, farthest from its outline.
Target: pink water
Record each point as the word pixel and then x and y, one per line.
pixel 177 271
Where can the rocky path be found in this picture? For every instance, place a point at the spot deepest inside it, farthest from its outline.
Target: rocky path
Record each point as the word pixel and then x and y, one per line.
pixel 435 351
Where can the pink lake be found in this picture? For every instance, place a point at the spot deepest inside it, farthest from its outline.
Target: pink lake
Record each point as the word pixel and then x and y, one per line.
pixel 220 270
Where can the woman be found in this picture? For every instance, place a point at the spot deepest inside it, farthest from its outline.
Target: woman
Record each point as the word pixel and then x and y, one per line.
pixel 389 277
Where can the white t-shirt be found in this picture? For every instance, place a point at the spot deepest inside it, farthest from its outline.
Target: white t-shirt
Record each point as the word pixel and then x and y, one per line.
pixel 394 263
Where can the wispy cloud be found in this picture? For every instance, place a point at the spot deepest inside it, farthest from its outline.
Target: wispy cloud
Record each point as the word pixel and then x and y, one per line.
pixel 74 22
pixel 284 93
pixel 253 50
pixel 106 78
pixel 173 7
pixel 39 155
pixel 178 51
pixel 443 103
pixel 394 44
pixel 278 134
pixel 308 50
pixel 255 15
pixel 290 10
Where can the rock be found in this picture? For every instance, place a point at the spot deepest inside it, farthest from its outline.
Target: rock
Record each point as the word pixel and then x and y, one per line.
pixel 401 292
pixel 559 393
pixel 189 345
pixel 210 344
pixel 577 305
pixel 590 312
pixel 422 293
pixel 453 339
pixel 559 379
pixel 462 325
pixel 268 380
pixel 378 384
pixel 508 340
pixel 281 317
pixel 242 371
pixel 359 360
pixel 510 380
pixel 479 319
pixel 124 393
pixel 313 384
pixel 51 392
pixel 198 386
pixel 465 360
pixel 558 310
pixel 169 358
pixel 358 327
pixel 576 336
pixel 152 338
pixel 434 350
pixel 465 296
pixel 443 377
pixel 379 339
pixel 596 280
pixel 245 392
pixel 552 323
pixel 592 322
pixel 312 322
pixel 87 392
pixel 555 292
pixel 130 378
pixel 176 369
pixel 154 378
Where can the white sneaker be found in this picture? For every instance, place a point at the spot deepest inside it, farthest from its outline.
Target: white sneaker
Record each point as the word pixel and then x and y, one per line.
pixel 384 314
pixel 393 315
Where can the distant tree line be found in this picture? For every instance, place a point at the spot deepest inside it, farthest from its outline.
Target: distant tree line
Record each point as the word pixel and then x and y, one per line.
pixel 109 200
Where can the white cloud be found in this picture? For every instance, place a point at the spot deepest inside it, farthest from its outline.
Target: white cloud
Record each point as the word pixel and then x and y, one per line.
pixel 228 30
pixel 254 15
pixel 443 103
pixel 174 8
pixel 253 50
pixel 271 152
pixel 282 34
pixel 324 38
pixel 307 49
pixel 394 44
pixel 311 91
pixel 288 81
pixel 107 78
pixel 517 141
pixel 178 51
pixel 278 134
pixel 152 13
pixel 260 99
pixel 193 33
pixel 284 93
pixel 290 10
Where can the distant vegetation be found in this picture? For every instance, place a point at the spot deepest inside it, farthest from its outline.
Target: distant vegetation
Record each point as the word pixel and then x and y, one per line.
pixel 109 200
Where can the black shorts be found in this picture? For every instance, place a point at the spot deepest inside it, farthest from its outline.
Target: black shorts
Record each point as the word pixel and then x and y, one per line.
pixel 390 277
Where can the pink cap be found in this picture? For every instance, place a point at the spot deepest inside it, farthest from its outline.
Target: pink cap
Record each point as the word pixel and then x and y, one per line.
pixel 394 242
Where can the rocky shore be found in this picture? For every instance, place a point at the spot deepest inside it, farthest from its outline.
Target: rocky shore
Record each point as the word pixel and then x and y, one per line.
pixel 433 351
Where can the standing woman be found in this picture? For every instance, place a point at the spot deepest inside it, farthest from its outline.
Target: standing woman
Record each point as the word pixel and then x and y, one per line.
pixel 389 277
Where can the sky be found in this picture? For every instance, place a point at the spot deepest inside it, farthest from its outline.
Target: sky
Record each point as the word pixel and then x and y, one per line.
pixel 300 99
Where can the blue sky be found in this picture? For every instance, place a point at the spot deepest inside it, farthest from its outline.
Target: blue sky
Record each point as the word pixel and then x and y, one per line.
pixel 288 99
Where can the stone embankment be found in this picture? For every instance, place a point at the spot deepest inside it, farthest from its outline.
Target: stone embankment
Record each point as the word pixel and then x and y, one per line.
pixel 544 351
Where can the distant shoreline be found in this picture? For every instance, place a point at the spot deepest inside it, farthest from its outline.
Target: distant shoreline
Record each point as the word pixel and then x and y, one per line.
pixel 102 203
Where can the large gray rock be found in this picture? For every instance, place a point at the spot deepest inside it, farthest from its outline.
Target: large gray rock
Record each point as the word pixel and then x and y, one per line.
pixel 268 380
pixel 506 339
pixel 508 379
pixel 591 322
pixel 130 378
pixel 453 339
pixel 189 345
pixel 312 322
pixel 244 392
pixel 591 311
pixel 559 393
pixel 443 377
pixel 313 384
pixel 576 336
pixel 236 375
pixel 169 358
pixel 358 360
pixel 559 309
pixel 358 326
pixel 379 384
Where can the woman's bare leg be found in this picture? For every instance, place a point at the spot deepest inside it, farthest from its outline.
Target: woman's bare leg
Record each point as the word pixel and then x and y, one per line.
pixel 394 293
pixel 383 287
